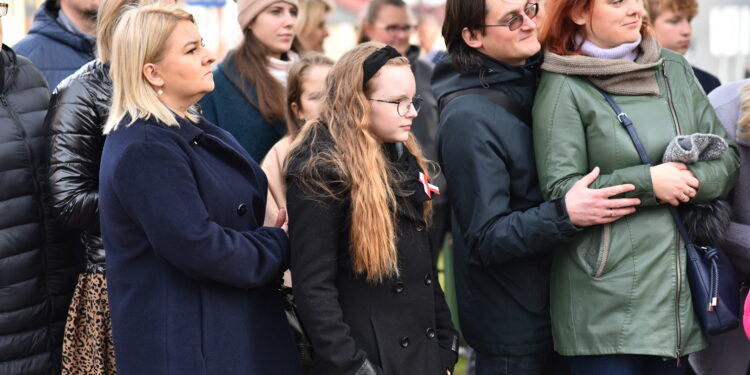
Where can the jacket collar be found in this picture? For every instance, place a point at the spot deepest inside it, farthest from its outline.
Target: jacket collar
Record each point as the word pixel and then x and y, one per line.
pixel 8 68
pixel 446 80
pixel 45 23
pixel 208 134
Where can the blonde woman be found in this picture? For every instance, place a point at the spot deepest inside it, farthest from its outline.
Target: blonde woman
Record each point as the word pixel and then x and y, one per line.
pixel 78 110
pixel 311 25
pixel 192 274
pixel 359 198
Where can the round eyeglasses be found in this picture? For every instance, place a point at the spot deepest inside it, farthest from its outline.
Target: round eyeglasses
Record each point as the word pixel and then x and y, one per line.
pixel 3 9
pixel 402 105
pixel 516 21
pixel 392 29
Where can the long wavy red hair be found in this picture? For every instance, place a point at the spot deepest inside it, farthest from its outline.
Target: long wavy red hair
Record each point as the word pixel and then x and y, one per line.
pixel 558 34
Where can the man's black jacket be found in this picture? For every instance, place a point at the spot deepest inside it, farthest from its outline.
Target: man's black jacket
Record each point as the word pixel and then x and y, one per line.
pixel 503 230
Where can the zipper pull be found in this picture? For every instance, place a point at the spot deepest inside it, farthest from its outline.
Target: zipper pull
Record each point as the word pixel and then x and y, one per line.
pixel 679 358
pixel 664 68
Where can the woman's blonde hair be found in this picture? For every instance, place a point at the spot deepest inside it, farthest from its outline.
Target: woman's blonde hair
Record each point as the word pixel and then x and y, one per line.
pixel 743 124
pixel 357 157
pixel 297 76
pixel 106 20
pixel 310 11
pixel 141 38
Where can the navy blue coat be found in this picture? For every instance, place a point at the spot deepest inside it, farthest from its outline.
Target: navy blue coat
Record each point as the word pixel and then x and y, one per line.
pixel 707 80
pixel 228 107
pixel 191 272
pixel 56 51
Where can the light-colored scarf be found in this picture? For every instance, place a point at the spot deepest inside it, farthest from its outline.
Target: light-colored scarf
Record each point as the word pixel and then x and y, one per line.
pixel 279 69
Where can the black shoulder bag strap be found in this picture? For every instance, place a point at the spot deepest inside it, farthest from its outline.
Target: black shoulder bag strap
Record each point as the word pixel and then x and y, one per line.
pixel 497 96
pixel 628 124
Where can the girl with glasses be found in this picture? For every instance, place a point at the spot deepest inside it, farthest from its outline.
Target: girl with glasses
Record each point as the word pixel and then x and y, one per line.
pixel 390 22
pixel 359 198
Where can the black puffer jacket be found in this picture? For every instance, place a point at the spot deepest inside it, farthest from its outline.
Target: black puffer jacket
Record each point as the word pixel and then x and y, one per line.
pixel 37 273
pixel 78 110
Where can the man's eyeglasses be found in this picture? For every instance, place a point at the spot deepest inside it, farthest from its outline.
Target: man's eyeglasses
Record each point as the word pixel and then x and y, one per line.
pixel 517 21
pixel 392 29
pixel 3 9
pixel 402 105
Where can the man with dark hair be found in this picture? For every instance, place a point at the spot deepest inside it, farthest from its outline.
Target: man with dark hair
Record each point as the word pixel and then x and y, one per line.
pixel 504 231
pixel 61 39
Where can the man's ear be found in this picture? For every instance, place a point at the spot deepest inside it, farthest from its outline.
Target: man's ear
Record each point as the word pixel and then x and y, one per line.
pixel 368 30
pixel 151 72
pixel 298 111
pixel 472 38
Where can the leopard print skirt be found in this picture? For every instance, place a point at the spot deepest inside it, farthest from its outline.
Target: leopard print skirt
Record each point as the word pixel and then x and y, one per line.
pixel 88 348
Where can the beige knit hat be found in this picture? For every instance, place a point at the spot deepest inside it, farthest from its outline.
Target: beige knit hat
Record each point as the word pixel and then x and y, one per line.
pixel 247 10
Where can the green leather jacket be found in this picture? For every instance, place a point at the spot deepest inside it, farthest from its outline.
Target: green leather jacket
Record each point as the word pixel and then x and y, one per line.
pixel 622 288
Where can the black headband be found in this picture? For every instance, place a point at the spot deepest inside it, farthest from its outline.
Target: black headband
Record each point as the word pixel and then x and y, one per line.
pixel 376 60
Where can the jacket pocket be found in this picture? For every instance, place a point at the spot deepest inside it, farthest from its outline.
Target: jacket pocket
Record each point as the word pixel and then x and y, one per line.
pixel 604 245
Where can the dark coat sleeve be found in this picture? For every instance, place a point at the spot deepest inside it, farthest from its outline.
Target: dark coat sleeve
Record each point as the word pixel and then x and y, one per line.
pixel 76 143
pixel 447 334
pixel 156 186
pixel 314 229
pixel 475 141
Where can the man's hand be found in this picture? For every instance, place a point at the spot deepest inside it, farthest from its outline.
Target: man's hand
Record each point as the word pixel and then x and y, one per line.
pixel 588 207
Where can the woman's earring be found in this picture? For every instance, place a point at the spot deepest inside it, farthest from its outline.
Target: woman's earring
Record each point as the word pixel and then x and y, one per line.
pixel 159 92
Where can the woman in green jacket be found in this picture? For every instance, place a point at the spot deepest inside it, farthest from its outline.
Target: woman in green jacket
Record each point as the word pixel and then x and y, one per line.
pixel 620 300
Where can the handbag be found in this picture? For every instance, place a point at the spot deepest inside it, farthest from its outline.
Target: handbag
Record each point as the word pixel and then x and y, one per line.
pixel 713 284
pixel 301 340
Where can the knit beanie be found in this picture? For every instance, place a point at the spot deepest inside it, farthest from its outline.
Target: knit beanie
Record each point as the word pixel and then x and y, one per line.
pixel 247 10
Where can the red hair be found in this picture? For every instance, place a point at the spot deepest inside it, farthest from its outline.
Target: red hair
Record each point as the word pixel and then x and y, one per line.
pixel 558 34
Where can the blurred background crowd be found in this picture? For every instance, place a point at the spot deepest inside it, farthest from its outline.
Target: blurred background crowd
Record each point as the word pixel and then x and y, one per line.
pixel 720 42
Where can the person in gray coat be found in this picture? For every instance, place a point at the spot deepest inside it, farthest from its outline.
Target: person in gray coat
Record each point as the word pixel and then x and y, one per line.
pixel 727 354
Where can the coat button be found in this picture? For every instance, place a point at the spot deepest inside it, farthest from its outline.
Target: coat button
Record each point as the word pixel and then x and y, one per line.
pixel 430 333
pixel 398 287
pixel 427 280
pixel 241 209
pixel 404 342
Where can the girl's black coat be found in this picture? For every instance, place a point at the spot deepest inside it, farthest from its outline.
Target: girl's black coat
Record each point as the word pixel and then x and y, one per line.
pixel 399 326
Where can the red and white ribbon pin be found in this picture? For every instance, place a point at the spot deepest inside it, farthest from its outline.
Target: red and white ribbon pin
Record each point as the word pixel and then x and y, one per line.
pixel 428 187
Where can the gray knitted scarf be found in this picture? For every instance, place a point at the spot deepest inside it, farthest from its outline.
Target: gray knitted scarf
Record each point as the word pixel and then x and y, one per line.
pixel 621 77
